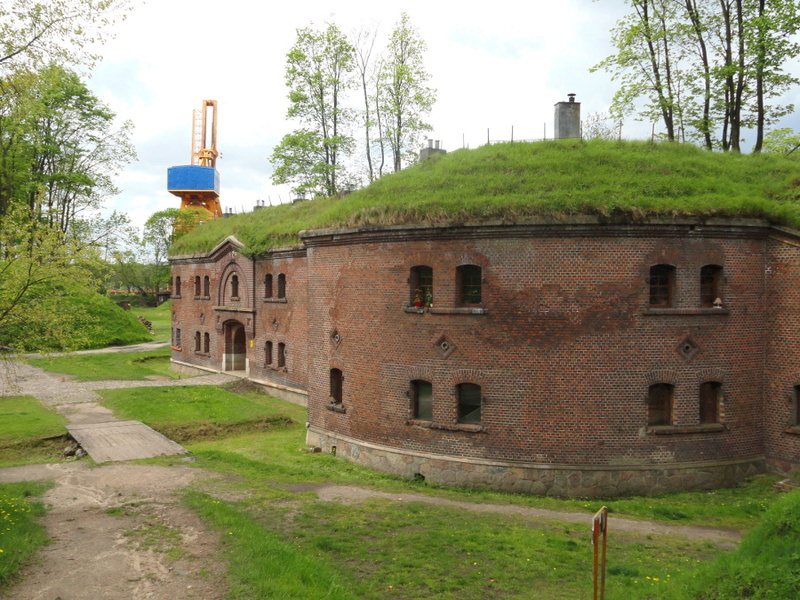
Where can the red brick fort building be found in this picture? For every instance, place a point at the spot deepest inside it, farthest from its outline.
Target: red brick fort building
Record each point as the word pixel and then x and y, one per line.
pixel 512 345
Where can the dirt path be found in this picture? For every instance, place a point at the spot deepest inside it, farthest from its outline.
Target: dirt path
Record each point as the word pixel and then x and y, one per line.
pixel 119 533
pixel 724 538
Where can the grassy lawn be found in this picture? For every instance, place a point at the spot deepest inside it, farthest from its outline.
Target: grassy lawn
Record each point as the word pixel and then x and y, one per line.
pixel 160 317
pixel 195 412
pixel 24 426
pixel 20 533
pixel 114 365
pixel 280 540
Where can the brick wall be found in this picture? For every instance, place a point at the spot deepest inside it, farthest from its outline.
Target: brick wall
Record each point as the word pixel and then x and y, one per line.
pixel 564 354
pixel 782 364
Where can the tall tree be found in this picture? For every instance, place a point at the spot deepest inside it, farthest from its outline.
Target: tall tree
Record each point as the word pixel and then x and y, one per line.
pixel 405 98
pixel 319 70
pixel 363 47
pixel 714 66
pixel 34 33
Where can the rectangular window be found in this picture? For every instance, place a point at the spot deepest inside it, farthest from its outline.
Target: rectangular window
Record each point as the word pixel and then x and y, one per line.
pixel 281 285
pixel 281 355
pixel 468 283
pixel 421 286
pixel 662 281
pixel 268 353
pixel 710 278
pixel 659 404
pixel 206 343
pixel 422 399
pixel 709 402
pixel 178 286
pixel 336 386
pixel 469 403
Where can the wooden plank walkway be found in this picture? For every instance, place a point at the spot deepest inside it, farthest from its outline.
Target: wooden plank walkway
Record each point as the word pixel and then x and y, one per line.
pixel 122 440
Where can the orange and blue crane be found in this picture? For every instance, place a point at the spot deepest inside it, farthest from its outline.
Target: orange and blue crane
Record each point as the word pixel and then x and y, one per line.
pixel 197 184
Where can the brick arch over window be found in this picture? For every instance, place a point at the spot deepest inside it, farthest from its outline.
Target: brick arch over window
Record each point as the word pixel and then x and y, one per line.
pixel 662 376
pixel 224 291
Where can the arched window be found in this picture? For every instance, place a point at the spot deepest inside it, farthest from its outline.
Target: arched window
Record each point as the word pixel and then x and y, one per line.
pixel 268 285
pixel 178 337
pixel 796 406
pixel 421 281
pixel 268 353
pixel 662 284
pixel 281 354
pixel 178 286
pixel 206 343
pixel 234 286
pixel 709 401
pixel 336 386
pixel 422 400
pixel 659 404
pixel 197 341
pixel 468 284
pixel 206 287
pixel 710 285
pixel 281 285
pixel 469 403
pixel 197 286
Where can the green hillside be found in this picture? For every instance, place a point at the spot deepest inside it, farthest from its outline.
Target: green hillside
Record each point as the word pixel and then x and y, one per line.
pixel 513 182
pixel 79 319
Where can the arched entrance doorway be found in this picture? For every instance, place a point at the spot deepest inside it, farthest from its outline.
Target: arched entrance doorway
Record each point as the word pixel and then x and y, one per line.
pixel 235 347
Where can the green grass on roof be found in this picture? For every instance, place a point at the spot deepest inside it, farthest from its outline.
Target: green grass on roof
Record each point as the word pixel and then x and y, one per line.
pixel 517 181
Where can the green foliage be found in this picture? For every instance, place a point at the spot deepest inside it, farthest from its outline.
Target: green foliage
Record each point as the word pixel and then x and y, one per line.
pixel 318 72
pixel 21 535
pixel 122 366
pixel 766 565
pixel 514 182
pixel 67 316
pixel 403 94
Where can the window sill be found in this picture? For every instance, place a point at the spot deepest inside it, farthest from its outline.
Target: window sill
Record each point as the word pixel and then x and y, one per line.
pixel 469 427
pixel 202 297
pixel 176 348
pixel 178 297
pixel 337 408
pixel 206 354
pixel 235 298
pixel 275 300
pixel 792 430
pixel 446 311
pixel 680 429
pixel 685 312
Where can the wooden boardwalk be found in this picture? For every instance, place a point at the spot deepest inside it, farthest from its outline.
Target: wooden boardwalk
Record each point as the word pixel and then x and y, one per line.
pixel 122 440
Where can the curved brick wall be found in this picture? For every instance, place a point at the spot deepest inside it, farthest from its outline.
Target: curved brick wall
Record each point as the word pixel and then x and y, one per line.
pixel 564 346
pixel 564 354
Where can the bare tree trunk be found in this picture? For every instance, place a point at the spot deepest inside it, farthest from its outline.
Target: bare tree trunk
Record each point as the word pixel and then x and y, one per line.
pixel 761 52
pixel 697 27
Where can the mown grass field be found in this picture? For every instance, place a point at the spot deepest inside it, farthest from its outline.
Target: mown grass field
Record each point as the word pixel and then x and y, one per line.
pixel 160 317
pixel 25 426
pixel 113 365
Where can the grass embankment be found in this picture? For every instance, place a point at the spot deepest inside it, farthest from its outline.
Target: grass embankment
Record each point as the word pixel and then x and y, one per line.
pixel 512 182
pixel 280 540
pixel 766 565
pixel 128 366
pixel 160 317
pixel 81 319
pixel 29 433
pixel 20 533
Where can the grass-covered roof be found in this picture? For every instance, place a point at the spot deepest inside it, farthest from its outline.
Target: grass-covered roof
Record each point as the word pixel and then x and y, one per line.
pixel 517 181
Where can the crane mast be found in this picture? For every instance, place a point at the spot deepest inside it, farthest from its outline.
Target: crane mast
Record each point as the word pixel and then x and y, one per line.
pixel 197 184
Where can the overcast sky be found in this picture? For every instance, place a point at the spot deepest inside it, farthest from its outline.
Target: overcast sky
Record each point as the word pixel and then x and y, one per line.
pixel 494 64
